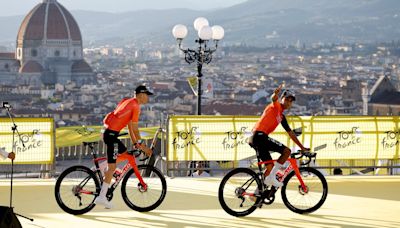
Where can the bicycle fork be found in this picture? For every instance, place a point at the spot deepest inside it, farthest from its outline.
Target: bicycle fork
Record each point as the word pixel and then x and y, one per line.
pixel 302 186
pixel 133 165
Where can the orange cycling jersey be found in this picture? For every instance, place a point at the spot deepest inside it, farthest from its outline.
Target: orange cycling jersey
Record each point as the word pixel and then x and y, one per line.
pixel 271 117
pixel 126 110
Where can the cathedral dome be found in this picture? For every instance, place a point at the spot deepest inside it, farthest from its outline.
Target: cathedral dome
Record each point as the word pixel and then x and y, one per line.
pixel 49 44
pixel 49 20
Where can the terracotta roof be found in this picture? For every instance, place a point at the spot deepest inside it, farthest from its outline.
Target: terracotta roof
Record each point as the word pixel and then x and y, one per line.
pixel 56 25
pixel 74 30
pixel 158 86
pixel 31 67
pixel 60 23
pixel 32 28
pixel 231 109
pixel 82 111
pixel 81 66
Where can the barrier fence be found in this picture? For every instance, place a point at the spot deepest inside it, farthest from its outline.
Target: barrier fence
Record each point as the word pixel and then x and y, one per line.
pixel 226 138
pixel 342 141
pixel 370 143
pixel 35 151
pixel 37 140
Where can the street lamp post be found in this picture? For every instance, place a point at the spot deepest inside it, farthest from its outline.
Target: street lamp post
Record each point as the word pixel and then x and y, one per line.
pixel 203 54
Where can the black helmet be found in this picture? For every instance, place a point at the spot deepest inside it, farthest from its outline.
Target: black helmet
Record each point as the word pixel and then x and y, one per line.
pixel 142 89
pixel 288 93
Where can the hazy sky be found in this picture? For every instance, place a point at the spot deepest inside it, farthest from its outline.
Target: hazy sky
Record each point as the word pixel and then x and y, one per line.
pixel 21 7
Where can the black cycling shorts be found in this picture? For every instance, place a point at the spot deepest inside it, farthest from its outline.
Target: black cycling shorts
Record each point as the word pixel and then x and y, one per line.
pixel 263 144
pixel 114 145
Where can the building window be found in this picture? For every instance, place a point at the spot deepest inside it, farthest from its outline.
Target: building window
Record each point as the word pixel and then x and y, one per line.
pixel 34 52
pixel 74 53
pixel 6 66
pixel 57 53
pixel 19 52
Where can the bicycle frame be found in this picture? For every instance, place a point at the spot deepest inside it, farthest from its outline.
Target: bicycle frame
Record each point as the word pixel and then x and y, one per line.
pixel 250 191
pixel 130 164
pixel 293 166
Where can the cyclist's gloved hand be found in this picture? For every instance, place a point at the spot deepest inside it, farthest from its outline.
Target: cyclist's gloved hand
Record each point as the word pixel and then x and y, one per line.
pixel 147 150
pixel 278 90
pixel 11 155
pixel 304 149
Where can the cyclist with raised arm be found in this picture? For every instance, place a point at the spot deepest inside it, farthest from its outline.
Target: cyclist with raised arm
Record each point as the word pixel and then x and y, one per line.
pixel 125 114
pixel 263 144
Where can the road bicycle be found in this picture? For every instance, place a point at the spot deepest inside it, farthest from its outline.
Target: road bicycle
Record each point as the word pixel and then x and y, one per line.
pixel 143 187
pixel 304 189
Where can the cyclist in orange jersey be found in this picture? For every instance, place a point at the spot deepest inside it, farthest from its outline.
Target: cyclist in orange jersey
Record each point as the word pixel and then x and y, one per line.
pixel 125 114
pixel 263 144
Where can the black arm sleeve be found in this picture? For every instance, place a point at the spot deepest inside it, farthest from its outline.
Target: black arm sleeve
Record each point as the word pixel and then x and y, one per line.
pixel 285 124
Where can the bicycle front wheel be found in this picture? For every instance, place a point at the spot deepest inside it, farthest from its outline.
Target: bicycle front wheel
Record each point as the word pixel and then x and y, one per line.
pixel 300 201
pixel 236 192
pixel 144 199
pixel 75 190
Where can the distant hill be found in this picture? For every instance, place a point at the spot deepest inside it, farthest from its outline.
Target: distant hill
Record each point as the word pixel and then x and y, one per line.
pixel 281 21
pixel 255 22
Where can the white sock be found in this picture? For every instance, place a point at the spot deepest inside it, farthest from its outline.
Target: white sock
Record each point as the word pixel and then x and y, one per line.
pixel 277 166
pixel 104 189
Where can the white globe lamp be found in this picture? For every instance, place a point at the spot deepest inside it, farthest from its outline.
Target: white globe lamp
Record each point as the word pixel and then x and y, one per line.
pixel 217 32
pixel 205 33
pixel 199 23
pixel 179 31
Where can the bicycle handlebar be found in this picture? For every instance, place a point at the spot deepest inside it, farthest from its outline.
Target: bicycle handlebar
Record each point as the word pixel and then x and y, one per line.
pixel 300 153
pixel 137 153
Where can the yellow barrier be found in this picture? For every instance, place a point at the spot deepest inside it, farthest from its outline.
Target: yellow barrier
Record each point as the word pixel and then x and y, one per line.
pixel 75 135
pixel 37 135
pixel 356 137
pixel 225 138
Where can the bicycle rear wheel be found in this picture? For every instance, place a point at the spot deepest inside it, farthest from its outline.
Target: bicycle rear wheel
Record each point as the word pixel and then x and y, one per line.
pixel 299 201
pixel 75 190
pixel 138 198
pixel 234 189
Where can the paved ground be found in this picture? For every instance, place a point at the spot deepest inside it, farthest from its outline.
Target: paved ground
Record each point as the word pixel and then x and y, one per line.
pixel 352 202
